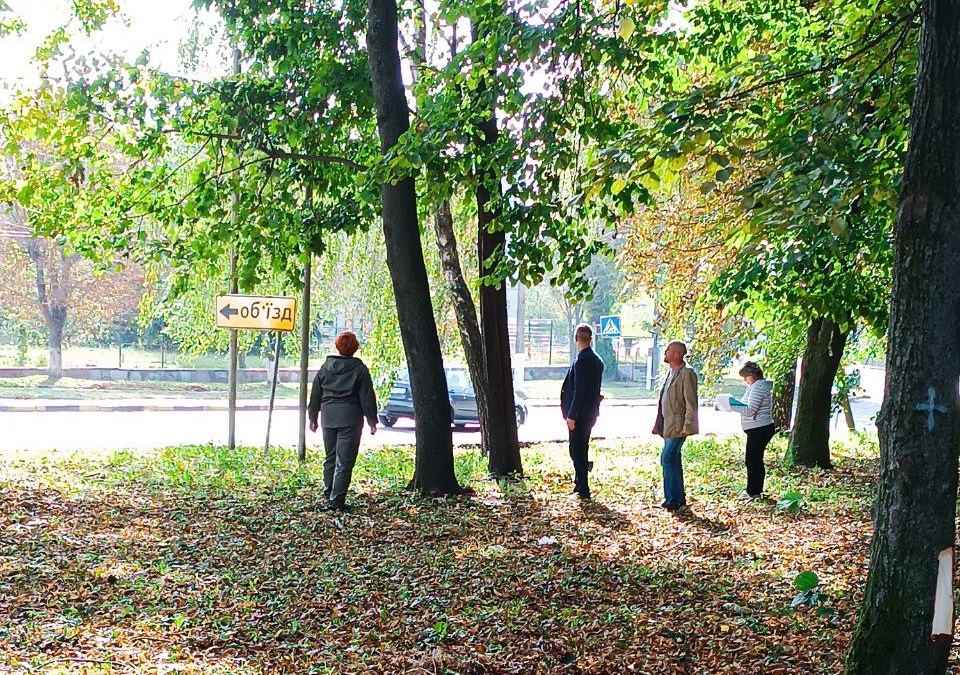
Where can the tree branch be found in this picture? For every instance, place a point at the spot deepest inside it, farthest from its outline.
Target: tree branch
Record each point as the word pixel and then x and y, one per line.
pixel 905 18
pixel 274 153
pixel 320 159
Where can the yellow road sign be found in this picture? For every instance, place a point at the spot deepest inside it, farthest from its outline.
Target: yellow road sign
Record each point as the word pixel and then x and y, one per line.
pixel 259 312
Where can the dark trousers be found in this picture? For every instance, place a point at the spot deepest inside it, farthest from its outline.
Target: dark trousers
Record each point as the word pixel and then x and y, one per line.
pixel 579 453
pixel 757 440
pixel 342 445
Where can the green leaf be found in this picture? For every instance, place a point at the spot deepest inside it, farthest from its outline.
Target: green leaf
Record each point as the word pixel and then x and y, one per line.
pixel 791 501
pixel 806 581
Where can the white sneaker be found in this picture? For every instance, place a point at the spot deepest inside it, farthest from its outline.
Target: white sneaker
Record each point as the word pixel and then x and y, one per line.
pixel 746 496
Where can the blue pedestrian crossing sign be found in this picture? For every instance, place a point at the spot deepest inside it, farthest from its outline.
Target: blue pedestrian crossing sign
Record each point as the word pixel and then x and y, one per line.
pixel 610 326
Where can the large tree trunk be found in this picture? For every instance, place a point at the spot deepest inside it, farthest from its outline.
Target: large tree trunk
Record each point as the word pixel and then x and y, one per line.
pixel 502 441
pixel 503 444
pixel 899 629
pixel 784 389
pixel 810 439
pixel 55 320
pixel 434 472
pixel 52 266
pixel 466 312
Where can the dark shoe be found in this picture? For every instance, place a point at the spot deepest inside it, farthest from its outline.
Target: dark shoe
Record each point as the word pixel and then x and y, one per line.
pixel 673 507
pixel 342 508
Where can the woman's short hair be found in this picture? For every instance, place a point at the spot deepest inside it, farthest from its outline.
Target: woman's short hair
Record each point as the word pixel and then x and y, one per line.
pixel 347 343
pixel 751 369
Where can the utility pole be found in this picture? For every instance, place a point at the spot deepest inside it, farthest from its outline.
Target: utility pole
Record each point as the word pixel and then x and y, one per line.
pixel 305 345
pixel 234 289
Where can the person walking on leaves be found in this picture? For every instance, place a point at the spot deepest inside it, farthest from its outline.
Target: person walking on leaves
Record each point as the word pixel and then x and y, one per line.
pixel 580 403
pixel 342 396
pixel 677 418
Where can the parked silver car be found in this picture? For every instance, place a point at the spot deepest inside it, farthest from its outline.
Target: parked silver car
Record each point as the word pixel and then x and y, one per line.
pixel 463 400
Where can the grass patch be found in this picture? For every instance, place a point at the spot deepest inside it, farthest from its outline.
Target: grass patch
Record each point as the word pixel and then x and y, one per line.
pixel 204 560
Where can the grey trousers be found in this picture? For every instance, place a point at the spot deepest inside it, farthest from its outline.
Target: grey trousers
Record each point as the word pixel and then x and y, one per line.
pixel 342 445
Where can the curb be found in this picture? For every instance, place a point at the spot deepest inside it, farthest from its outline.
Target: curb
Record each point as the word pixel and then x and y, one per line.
pixel 87 407
pixel 180 406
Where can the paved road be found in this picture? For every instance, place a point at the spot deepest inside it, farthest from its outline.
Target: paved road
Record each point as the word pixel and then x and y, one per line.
pixel 99 430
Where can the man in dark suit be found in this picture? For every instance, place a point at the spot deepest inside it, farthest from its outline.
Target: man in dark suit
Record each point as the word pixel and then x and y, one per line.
pixel 580 402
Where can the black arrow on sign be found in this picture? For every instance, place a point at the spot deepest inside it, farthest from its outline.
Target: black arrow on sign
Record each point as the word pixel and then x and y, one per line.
pixel 227 312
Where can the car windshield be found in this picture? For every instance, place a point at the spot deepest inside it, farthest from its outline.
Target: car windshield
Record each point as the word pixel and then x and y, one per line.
pixel 457 379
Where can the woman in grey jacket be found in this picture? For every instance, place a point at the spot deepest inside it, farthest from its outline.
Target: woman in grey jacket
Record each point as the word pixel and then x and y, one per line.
pixel 757 421
pixel 342 396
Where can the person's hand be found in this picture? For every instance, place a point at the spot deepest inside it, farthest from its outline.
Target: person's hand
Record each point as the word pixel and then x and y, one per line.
pixel 373 429
pixel 313 425
pixel 571 423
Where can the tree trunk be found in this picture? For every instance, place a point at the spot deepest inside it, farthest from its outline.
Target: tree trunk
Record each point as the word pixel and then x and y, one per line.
pixel 52 266
pixel 784 390
pixel 434 471
pixel 899 628
pixel 501 438
pixel 466 311
pixel 848 414
pixel 55 320
pixel 503 444
pixel 810 440
pixel 502 441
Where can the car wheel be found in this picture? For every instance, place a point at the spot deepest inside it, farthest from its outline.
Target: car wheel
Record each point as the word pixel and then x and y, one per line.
pixel 521 418
pixel 459 426
pixel 387 421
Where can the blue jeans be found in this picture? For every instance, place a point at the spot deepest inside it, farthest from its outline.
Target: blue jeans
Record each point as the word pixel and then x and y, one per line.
pixel 672 464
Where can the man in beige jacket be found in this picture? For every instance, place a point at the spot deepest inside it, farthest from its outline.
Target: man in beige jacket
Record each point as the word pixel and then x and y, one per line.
pixel 677 418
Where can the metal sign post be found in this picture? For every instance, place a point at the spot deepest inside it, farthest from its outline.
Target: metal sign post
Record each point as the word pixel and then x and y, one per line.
pixel 258 312
pixel 273 390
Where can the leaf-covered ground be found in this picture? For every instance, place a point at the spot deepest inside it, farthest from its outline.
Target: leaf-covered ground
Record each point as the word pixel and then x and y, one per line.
pixel 197 560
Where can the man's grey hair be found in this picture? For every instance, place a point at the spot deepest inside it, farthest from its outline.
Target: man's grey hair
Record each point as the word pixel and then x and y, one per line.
pixel 681 344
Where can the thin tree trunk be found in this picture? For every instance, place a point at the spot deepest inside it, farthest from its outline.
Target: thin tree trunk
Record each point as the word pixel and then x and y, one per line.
pixel 785 389
pixel 466 312
pixel 810 439
pixel 502 441
pixel 434 471
pixel 848 414
pixel 906 621
pixel 468 324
